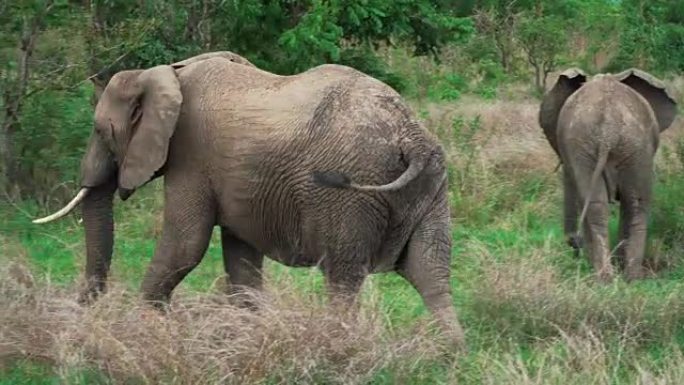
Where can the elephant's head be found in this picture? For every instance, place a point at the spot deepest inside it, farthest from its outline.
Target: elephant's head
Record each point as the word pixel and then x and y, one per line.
pixel 653 90
pixel 134 121
pixel 135 117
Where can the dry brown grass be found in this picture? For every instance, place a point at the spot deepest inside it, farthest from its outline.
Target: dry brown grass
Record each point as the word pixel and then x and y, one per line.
pixel 583 358
pixel 527 297
pixel 509 137
pixel 203 339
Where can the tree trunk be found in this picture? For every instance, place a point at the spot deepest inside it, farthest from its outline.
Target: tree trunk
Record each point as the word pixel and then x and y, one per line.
pixel 9 162
pixel 13 100
pixel 538 78
pixel 504 60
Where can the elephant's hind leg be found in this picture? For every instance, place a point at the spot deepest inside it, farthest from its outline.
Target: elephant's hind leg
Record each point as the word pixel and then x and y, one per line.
pixel 345 271
pixel 426 266
pixel 595 224
pixel 635 201
pixel 243 265
pixel 623 235
pixel 345 263
pixel 189 217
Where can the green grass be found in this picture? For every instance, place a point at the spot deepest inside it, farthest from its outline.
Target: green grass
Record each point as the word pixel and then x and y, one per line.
pixel 531 310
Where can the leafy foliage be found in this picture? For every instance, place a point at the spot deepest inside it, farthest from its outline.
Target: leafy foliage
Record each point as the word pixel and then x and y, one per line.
pixel 48 48
pixel 543 43
pixel 652 35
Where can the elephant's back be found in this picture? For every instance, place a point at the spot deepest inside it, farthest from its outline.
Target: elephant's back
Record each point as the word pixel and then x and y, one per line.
pixel 604 97
pixel 608 112
pixel 270 138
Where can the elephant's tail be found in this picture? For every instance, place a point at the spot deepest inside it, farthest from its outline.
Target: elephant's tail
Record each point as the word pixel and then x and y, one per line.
pixel 598 171
pixel 336 179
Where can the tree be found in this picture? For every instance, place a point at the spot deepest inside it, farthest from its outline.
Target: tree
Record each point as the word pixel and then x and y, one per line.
pixel 49 48
pixel 500 24
pixel 24 25
pixel 542 39
pixel 652 35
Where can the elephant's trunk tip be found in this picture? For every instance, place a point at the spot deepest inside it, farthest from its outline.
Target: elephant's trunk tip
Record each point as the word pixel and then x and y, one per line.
pixel 66 209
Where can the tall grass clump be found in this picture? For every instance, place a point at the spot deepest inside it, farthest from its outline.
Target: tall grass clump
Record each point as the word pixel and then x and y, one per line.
pixel 201 339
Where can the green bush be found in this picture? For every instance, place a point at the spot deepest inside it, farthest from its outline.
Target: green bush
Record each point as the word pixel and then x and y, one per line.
pixel 448 87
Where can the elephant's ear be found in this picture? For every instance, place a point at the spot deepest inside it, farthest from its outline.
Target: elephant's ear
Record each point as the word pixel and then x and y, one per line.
pixel 568 82
pixel 154 121
pixel 654 91
pixel 99 86
pixel 235 58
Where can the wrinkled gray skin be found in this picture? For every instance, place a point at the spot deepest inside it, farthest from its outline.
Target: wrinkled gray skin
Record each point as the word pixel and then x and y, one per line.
pixel 289 166
pixel 605 130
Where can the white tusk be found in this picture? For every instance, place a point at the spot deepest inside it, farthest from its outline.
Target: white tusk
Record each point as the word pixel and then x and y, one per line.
pixel 66 209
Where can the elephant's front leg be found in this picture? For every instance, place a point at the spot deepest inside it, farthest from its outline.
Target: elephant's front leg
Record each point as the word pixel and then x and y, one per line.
pixel 189 217
pixel 243 265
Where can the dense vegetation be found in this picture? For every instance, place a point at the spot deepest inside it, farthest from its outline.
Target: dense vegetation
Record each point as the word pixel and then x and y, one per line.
pixel 472 69
pixel 49 47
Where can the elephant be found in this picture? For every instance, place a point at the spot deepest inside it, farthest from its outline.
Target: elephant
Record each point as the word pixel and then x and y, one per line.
pixel 605 130
pixel 326 168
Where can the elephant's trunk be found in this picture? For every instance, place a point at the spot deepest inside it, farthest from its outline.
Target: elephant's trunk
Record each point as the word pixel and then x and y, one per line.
pixel 99 234
pixel 98 184
pixel 99 173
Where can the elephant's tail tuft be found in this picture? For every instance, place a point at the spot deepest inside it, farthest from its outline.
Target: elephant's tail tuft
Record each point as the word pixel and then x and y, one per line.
pixel 333 179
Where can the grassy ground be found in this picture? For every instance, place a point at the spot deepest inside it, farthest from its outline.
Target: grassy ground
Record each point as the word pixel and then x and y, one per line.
pixel 532 313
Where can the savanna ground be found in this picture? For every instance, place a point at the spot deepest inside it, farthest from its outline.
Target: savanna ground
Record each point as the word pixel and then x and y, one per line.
pixel 531 310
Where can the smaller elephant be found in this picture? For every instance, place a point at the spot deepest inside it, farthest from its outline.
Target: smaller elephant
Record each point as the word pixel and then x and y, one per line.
pixel 605 129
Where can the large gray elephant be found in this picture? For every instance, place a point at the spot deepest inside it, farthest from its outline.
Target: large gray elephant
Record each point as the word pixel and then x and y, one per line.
pixel 328 168
pixel 605 129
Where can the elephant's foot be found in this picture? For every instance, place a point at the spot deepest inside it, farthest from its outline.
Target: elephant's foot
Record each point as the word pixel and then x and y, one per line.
pixel 451 330
pixel 575 241
pixel 152 316
pixel 157 302
pixel 92 291
pixel 87 297
pixel 244 298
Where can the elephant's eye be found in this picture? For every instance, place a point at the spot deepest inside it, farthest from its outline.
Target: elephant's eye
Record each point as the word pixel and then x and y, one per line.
pixel 100 128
